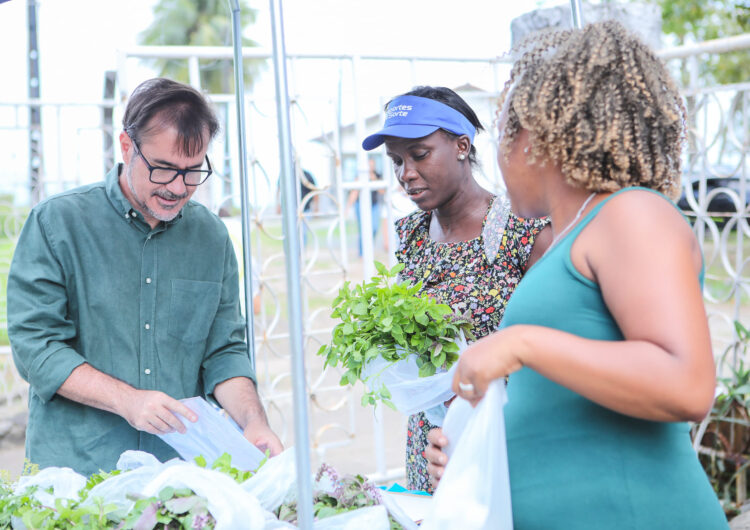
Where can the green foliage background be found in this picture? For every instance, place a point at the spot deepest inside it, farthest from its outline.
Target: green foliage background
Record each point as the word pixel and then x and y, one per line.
pixel 692 21
pixel 201 23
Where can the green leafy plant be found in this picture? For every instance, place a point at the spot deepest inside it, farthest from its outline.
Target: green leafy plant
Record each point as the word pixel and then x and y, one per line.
pixel 13 505
pixel 98 478
pixel 724 435
pixel 346 493
pixel 224 464
pixel 66 513
pixel 391 319
pixel 171 509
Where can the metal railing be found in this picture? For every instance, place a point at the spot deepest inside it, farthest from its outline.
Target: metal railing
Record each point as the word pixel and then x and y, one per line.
pixel 330 235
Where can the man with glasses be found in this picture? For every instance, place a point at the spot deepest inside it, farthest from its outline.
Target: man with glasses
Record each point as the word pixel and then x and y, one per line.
pixel 123 297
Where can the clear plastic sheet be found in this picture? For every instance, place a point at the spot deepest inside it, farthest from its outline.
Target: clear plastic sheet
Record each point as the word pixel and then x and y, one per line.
pixel 409 392
pixel 211 436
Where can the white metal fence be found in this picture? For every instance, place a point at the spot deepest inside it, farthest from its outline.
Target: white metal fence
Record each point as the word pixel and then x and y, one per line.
pixel 336 100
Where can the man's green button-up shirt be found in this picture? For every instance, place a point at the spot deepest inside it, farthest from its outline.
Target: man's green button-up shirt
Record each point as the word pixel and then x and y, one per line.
pixel 91 282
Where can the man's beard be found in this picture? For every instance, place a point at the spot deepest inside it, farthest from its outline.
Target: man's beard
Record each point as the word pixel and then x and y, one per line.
pixel 164 194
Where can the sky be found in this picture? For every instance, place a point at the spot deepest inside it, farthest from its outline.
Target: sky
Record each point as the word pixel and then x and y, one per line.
pixel 79 41
pixel 79 38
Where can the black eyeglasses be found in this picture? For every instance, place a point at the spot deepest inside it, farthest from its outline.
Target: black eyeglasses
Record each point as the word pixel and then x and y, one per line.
pixel 165 175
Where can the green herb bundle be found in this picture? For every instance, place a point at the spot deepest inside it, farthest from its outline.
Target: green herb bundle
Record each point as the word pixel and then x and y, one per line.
pixel 390 318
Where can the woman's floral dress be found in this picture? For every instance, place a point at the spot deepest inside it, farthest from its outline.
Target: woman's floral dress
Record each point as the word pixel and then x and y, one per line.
pixel 461 275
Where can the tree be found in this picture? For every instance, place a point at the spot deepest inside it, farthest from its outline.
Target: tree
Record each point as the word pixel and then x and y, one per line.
pixel 697 21
pixel 694 21
pixel 200 23
pixel 203 23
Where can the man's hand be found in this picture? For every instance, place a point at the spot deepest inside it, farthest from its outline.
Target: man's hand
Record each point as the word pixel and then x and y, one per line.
pixel 155 412
pixel 145 410
pixel 239 398
pixel 261 436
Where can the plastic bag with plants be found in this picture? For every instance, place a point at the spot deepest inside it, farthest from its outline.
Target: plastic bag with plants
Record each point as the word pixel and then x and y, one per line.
pixel 401 344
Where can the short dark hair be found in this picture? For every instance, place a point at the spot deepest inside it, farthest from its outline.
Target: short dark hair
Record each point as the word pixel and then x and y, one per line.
pixel 449 97
pixel 175 105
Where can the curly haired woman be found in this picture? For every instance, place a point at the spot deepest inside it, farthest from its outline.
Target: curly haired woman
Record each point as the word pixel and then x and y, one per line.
pixel 605 338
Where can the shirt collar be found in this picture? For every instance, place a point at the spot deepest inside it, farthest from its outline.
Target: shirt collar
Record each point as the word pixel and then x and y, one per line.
pixel 122 204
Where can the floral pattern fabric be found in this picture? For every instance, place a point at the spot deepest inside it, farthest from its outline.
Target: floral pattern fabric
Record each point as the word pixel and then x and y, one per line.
pixel 462 276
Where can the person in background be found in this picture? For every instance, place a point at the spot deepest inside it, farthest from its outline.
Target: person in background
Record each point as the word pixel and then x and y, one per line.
pixel 123 298
pixel 463 245
pixel 307 184
pixel 605 341
pixel 376 201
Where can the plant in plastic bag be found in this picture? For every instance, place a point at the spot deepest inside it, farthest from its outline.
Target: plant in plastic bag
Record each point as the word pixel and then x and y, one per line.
pixel 390 319
pixel 172 508
pixel 14 505
pixel 224 464
pixel 335 494
pixel 97 478
pixel 39 502
pixel 23 510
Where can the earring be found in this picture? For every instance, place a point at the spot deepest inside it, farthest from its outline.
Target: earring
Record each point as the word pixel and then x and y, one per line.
pixel 526 149
pixel 461 156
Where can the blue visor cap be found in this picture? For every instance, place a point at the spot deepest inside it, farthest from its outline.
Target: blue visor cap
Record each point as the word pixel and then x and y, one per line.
pixel 416 117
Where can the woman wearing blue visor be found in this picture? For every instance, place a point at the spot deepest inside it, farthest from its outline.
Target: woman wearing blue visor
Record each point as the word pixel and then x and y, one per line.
pixel 463 243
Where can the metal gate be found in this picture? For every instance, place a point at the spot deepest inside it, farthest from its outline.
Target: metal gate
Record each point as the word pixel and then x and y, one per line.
pixel 343 433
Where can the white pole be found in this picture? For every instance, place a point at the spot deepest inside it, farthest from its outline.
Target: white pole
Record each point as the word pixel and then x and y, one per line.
pixel 576 13
pixel 293 272
pixel 239 89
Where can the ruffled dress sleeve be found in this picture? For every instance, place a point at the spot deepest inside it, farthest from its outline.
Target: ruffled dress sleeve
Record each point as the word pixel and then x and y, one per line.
pixel 518 239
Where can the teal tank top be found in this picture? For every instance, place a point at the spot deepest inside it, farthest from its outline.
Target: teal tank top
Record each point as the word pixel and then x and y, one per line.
pixel 576 465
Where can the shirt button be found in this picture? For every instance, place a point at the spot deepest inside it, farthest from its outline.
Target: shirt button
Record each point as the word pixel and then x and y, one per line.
pixel 147 326
pixel 148 280
pixel 133 214
pixel 147 371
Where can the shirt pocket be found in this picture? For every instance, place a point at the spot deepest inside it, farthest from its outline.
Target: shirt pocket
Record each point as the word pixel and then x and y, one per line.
pixel 192 309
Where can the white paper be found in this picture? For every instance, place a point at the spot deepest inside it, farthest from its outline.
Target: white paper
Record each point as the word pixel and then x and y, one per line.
pixel 211 436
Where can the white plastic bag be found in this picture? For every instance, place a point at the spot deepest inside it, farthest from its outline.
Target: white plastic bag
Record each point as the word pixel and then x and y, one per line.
pixel 133 459
pixel 231 506
pixel 138 469
pixel 115 490
pixel 65 484
pixel 409 392
pixel 474 492
pixel 397 513
pixel 211 436
pixel 369 518
pixel 275 482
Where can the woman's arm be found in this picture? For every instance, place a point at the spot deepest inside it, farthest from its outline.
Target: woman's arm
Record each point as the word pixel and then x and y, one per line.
pixel 645 259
